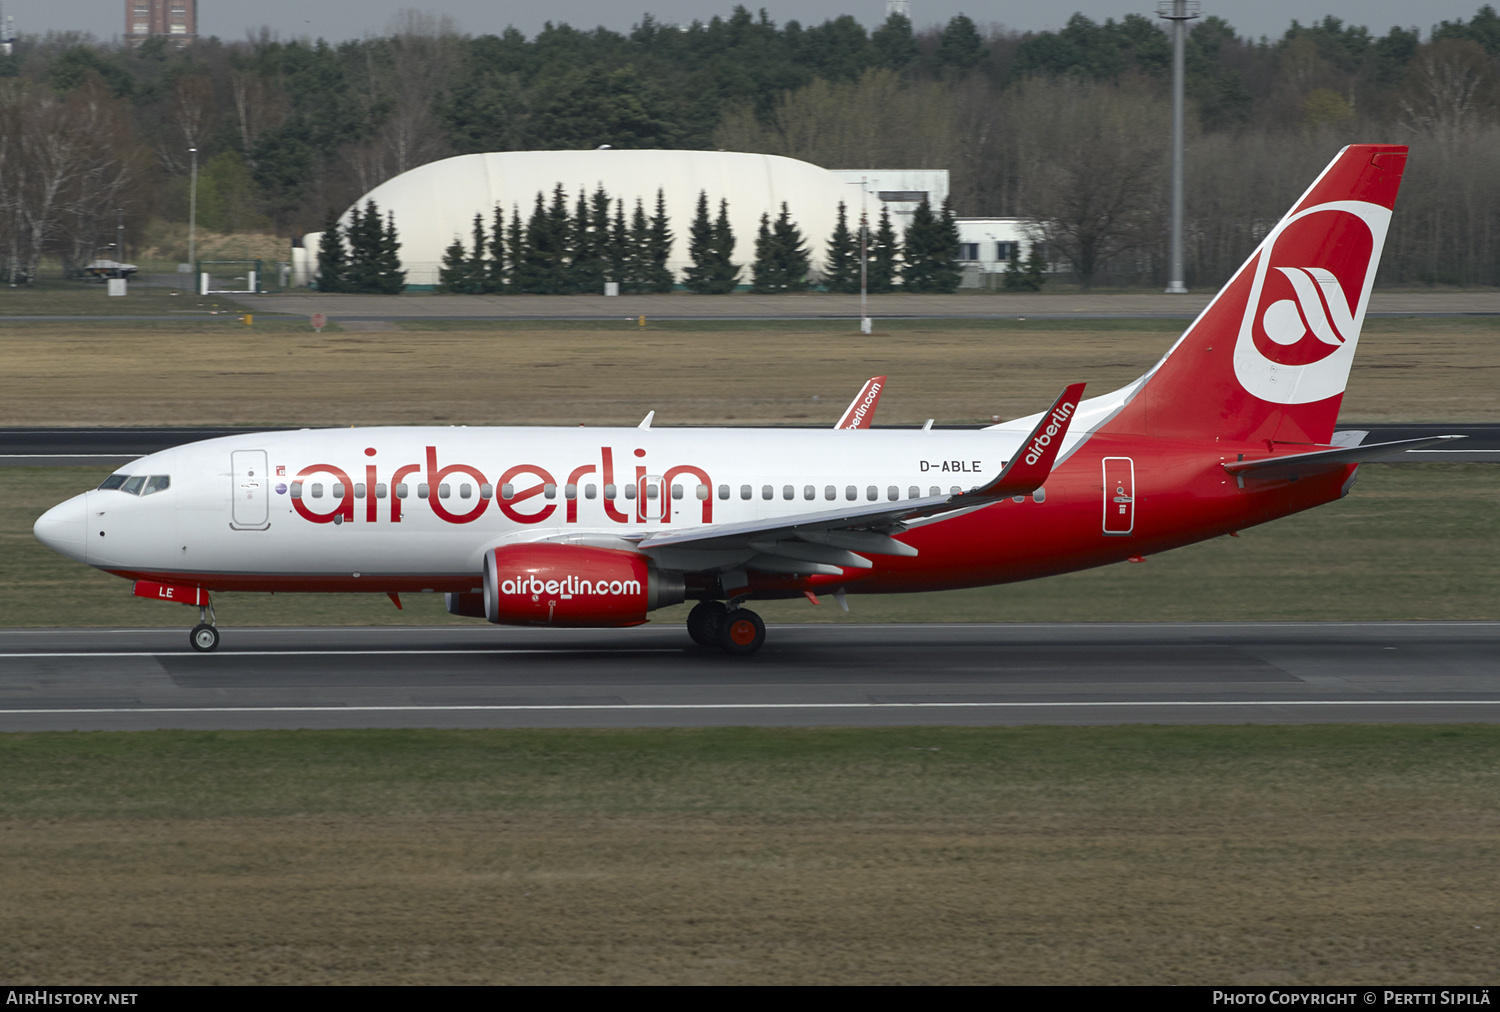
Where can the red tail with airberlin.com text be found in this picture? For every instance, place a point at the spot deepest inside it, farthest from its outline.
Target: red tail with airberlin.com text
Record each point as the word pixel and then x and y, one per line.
pixel 1270 356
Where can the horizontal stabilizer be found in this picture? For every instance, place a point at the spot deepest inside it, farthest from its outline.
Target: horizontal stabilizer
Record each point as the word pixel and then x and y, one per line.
pixel 1302 463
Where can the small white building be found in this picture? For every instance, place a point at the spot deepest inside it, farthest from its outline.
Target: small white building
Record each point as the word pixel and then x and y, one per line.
pixel 985 246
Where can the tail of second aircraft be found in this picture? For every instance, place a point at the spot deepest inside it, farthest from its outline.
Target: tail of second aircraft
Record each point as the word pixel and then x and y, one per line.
pixel 1269 357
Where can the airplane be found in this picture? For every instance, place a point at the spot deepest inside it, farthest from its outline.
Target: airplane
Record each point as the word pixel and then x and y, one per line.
pixel 591 527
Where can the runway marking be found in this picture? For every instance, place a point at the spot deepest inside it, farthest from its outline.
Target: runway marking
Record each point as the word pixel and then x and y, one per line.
pixel 352 653
pixel 486 708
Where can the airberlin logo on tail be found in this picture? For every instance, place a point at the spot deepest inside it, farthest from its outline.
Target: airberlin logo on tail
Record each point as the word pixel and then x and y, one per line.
pixel 1308 285
pixel 1321 310
pixel 1038 446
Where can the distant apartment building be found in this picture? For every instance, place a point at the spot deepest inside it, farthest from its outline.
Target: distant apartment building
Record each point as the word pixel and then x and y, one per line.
pixel 171 19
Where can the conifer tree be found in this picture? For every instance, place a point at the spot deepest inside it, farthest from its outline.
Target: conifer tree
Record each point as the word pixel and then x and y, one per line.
pixel 515 252
pixel 726 274
pixel 883 253
pixel 478 268
pixel 455 270
pixel 389 279
pixel 841 264
pixel 932 250
pixel 333 261
pixel 792 255
pixel 655 275
pixel 698 278
pixel 497 276
pixel 765 272
pixel 534 267
pixel 637 246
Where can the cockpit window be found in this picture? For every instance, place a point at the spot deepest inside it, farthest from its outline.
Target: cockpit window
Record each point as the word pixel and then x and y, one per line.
pixel 133 484
pixel 137 484
pixel 114 481
pixel 157 483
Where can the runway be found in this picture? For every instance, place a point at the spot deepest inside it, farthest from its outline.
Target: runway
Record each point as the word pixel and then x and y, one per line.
pixel 807 675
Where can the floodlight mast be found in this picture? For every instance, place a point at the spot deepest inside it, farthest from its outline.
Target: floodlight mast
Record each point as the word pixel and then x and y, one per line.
pixel 1179 12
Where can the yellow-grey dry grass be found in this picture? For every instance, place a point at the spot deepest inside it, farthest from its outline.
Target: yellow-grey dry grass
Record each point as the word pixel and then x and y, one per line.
pixel 960 371
pixel 1352 855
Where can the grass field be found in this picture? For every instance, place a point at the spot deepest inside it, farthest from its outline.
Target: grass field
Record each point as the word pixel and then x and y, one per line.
pixel 1240 855
pixel 282 373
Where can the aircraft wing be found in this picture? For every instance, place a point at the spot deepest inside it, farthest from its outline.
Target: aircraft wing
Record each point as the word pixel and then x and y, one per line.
pixel 826 541
pixel 1305 463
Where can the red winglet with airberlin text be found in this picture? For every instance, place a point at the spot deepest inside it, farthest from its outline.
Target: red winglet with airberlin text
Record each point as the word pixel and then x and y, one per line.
pixel 861 410
pixel 1033 461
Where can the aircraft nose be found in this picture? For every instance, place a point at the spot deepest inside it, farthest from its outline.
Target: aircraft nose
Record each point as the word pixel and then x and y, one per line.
pixel 62 528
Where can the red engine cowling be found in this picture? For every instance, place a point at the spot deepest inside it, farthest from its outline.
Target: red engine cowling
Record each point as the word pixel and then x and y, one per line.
pixel 573 585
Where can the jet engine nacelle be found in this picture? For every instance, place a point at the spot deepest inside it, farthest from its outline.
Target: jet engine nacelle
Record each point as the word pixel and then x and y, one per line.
pixel 573 585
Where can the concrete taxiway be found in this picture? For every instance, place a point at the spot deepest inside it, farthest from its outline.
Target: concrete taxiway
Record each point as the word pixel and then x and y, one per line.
pixel 849 675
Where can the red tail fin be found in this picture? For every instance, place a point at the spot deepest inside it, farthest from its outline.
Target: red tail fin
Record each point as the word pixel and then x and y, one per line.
pixel 1269 357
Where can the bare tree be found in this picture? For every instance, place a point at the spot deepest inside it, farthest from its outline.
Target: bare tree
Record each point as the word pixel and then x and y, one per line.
pixel 1450 87
pixel 1094 156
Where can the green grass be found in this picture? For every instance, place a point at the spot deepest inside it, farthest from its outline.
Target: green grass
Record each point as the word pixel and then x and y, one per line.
pixel 1413 541
pixel 1225 855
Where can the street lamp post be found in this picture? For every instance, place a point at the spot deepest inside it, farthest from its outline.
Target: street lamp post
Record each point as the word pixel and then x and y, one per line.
pixel 193 216
pixel 1179 12
pixel 864 256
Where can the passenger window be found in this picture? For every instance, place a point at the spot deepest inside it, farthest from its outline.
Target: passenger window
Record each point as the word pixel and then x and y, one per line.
pixel 913 493
pixel 443 490
pixel 788 492
pixel 465 490
pixel 851 493
pixel 570 491
pixel 590 491
pixel 893 493
pixel 704 492
pixel 157 483
pixel 380 490
pixel 808 492
pixel 401 490
pixel 677 491
pixel 296 490
pixel 133 484
pixel 338 490
pixel 359 490
pixel 872 493
pixel 422 490
pixel 630 491
pixel 955 490
pixel 830 492
pixel 113 481
pixel 317 490
pixel 1040 495
pixel 549 490
pixel 507 491
pixel 652 490
pixel 744 491
pixel 723 491
pixel 767 492
pixel 486 491
pixel 934 490
pixel 610 491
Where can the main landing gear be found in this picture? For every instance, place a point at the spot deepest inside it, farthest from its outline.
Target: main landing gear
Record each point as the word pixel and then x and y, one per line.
pixel 205 635
pixel 736 631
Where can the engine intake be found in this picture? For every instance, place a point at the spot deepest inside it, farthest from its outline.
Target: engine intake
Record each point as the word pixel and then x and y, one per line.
pixel 574 585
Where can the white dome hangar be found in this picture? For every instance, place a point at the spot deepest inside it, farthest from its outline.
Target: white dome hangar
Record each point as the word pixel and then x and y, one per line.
pixel 436 202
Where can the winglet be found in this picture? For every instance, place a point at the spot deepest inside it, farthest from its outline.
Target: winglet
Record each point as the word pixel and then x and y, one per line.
pixel 861 411
pixel 1031 465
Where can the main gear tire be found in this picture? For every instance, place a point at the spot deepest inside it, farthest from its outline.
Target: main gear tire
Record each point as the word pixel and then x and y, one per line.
pixel 741 633
pixel 703 622
pixel 204 638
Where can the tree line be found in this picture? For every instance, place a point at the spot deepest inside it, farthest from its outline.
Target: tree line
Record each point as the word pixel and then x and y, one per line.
pixel 558 252
pixel 286 130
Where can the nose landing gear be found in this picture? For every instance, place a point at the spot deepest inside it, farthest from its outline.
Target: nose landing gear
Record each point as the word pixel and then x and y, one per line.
pixel 205 635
